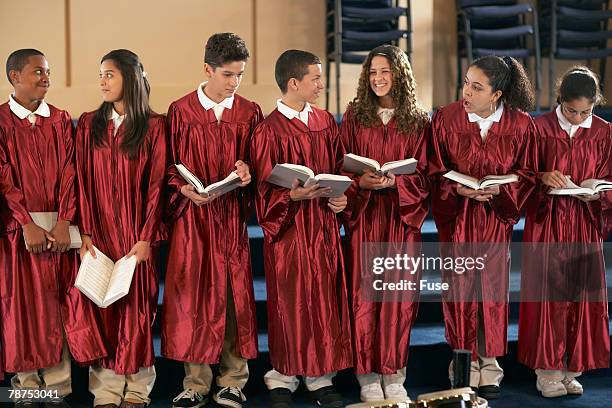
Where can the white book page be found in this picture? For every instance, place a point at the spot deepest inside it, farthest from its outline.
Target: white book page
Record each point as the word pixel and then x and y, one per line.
pixel 365 160
pixel 300 168
pixel 75 237
pixel 468 181
pixel 190 178
pixel 94 276
pixel 227 184
pixel 45 220
pixel 597 185
pixel 121 280
pixel 571 189
pixel 407 166
pixel 496 180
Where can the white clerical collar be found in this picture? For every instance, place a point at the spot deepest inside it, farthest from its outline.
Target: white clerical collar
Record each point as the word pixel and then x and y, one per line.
pixel 208 103
pixel 385 114
pixel 494 117
pixel 291 113
pixel 115 116
pixel 567 126
pixel 22 113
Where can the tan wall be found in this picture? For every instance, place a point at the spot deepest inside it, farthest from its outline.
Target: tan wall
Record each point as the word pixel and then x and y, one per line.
pixel 170 38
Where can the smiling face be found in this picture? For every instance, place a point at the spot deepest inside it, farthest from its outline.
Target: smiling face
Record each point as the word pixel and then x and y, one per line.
pixel 381 76
pixel 32 82
pixel 310 86
pixel 111 82
pixel 478 95
pixel 577 111
pixel 223 81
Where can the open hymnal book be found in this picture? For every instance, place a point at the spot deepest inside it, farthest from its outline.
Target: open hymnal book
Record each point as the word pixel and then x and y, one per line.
pixel 587 187
pixel 358 165
pixel 47 221
pixel 488 181
pixel 226 185
pixel 284 174
pixel 104 281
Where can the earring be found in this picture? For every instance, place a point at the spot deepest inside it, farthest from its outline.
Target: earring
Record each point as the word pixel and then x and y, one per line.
pixel 492 109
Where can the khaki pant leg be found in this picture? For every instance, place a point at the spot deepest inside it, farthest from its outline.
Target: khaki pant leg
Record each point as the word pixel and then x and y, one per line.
pixel 139 385
pixel 59 377
pixel 198 377
pixel 233 369
pixel 106 386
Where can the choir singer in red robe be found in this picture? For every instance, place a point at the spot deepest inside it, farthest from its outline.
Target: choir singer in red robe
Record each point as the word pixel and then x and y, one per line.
pixel 485 133
pixel 121 165
pixel 308 320
pixel 43 318
pixel 567 332
pixel 209 307
pixel 384 123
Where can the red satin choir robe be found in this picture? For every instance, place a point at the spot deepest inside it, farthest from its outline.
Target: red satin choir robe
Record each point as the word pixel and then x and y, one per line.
pixel 209 245
pixel 381 330
pixel 549 331
pixel 120 203
pixel 39 303
pixel 308 320
pixel 508 148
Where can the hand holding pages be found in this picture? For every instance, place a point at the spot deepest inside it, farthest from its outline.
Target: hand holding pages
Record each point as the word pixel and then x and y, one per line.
pixel 283 175
pixel 589 187
pixel 104 281
pixel 358 165
pixel 475 184
pixel 226 185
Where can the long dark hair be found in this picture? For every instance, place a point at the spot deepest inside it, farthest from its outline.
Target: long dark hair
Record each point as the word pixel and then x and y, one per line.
pixel 409 115
pixel 508 76
pixel 135 97
pixel 579 82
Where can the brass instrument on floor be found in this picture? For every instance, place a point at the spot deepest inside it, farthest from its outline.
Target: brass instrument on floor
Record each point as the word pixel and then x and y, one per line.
pixel 453 398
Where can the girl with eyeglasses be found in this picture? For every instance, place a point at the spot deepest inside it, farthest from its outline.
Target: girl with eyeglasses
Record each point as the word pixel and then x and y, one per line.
pixel 563 326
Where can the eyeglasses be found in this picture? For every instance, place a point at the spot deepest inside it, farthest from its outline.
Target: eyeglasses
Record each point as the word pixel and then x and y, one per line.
pixel 573 112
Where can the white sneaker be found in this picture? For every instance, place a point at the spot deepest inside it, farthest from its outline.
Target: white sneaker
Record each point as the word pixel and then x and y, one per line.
pixel 396 392
pixel 372 392
pixel 550 388
pixel 572 386
pixel 189 399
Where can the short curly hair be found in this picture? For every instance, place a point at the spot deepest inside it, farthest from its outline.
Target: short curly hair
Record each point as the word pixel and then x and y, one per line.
pixel 222 48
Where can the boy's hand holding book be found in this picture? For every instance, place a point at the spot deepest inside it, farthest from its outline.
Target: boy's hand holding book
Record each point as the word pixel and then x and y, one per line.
pixel 61 236
pixel 190 192
pixel 372 181
pixel 36 238
pixel 478 195
pixel 298 193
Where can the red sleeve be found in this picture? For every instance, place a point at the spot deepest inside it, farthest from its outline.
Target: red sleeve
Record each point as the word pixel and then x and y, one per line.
pixel 357 199
pixel 81 165
pixel 13 195
pixel 413 189
pixel 275 209
pixel 601 210
pixel 248 192
pixel 445 200
pixel 177 202
pixel 158 161
pixel 513 196
pixel 67 193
